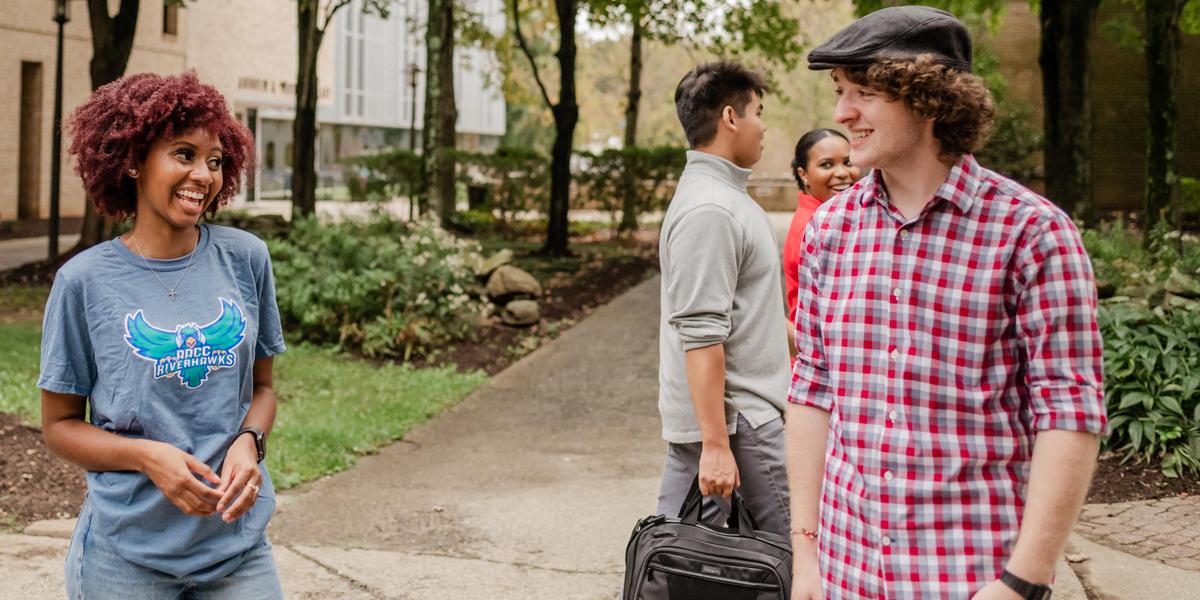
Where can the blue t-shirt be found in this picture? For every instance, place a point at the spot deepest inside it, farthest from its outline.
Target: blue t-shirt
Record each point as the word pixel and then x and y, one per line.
pixel 177 371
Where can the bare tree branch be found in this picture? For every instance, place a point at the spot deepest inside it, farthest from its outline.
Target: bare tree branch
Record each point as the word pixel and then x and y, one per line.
pixel 330 11
pixel 525 49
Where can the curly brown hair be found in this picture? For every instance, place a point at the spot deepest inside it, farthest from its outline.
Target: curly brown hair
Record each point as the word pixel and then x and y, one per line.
pixel 113 130
pixel 959 103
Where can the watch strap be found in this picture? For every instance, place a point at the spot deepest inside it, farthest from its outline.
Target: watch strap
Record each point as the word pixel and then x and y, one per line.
pixel 260 446
pixel 1028 590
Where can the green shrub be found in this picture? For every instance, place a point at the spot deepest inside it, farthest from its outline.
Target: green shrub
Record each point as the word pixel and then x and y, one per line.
pixel 1117 254
pixel 475 221
pixel 1152 387
pixel 518 179
pixel 384 287
pixel 383 176
pixel 1189 198
pixel 264 226
pixel 602 182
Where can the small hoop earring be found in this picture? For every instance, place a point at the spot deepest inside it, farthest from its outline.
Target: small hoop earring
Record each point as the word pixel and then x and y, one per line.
pixel 133 173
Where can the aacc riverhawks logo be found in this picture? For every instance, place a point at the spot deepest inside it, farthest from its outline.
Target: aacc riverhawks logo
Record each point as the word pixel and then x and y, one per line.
pixel 191 351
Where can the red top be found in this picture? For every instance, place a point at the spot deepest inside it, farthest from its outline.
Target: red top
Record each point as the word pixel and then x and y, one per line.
pixel 805 206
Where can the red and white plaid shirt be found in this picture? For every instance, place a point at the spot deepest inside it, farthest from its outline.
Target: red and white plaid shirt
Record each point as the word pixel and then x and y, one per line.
pixel 940 345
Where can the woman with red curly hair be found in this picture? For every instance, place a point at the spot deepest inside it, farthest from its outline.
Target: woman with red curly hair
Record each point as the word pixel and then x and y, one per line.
pixel 157 354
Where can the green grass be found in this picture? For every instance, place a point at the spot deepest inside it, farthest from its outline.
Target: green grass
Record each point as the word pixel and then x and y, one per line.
pixel 332 408
pixel 19 358
pixel 17 298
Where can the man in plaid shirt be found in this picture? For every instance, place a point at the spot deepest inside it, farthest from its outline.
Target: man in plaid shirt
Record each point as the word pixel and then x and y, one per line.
pixel 946 398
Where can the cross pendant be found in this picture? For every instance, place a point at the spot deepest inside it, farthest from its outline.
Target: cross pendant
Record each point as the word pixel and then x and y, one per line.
pixel 171 295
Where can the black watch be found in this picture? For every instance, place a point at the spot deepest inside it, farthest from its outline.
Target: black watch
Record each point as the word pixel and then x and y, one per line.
pixel 260 440
pixel 1027 590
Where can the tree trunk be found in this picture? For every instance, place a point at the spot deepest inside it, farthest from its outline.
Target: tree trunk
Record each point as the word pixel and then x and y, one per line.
pixel 112 41
pixel 441 112
pixel 1162 75
pixel 566 115
pixel 304 126
pixel 1065 28
pixel 629 208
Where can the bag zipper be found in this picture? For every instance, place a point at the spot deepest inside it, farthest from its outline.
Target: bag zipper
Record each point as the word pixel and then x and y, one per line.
pixel 694 555
pixel 714 578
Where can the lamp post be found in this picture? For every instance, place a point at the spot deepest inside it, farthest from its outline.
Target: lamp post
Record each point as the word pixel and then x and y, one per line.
pixel 413 71
pixel 62 14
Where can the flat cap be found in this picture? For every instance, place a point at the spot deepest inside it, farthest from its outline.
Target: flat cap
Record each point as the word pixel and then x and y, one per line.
pixel 897 33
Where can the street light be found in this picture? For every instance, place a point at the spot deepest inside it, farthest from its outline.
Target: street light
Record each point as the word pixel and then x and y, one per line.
pixel 62 14
pixel 413 71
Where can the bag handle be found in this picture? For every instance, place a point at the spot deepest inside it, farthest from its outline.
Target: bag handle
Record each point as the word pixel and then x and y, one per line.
pixel 740 518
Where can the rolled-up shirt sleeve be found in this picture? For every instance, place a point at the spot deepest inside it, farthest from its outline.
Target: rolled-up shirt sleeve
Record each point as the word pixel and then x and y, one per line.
pixel 810 373
pixel 1056 320
pixel 702 276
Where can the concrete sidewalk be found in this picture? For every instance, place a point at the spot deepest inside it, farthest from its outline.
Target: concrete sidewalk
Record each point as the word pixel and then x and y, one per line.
pixel 14 253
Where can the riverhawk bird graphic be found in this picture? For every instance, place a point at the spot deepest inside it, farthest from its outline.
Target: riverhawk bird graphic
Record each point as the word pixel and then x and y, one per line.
pixel 191 351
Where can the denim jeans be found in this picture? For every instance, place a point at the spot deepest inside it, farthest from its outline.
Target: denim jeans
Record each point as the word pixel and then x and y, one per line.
pixel 94 571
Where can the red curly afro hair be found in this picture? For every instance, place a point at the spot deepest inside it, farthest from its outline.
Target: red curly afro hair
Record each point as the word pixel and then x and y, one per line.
pixel 112 132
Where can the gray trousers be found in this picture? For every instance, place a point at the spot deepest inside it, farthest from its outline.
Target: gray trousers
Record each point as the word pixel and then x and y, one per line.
pixel 761 457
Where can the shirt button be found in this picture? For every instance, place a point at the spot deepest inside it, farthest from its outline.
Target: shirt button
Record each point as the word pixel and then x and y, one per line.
pixel 887 475
pixel 904 234
pixel 886 541
pixel 896 293
pixel 895 354
pixel 893 415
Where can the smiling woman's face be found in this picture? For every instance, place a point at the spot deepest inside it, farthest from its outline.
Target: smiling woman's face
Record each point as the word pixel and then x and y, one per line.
pixel 828 169
pixel 180 179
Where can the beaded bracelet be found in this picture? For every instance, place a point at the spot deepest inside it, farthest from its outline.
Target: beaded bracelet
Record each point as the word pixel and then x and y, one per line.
pixel 808 533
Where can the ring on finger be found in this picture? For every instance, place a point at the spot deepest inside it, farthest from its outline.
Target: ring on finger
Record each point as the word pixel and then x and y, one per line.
pixel 253 488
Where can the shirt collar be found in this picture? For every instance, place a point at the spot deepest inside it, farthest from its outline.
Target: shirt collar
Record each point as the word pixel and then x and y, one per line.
pixel 959 188
pixel 711 164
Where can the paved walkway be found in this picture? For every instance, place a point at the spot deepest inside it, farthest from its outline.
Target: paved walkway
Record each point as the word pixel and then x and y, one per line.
pixel 14 253
pixel 1166 530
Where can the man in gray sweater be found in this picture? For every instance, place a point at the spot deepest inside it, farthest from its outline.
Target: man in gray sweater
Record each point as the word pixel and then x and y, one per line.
pixel 723 356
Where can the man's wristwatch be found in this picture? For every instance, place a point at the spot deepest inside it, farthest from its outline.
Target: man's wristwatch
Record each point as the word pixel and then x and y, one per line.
pixel 260 440
pixel 1027 590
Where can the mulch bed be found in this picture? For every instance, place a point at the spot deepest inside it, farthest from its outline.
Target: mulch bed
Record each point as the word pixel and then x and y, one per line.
pixel 34 484
pixel 1116 482
pixel 27 228
pixel 566 298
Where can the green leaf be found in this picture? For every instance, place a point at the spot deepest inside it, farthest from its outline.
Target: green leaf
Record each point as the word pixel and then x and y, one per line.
pixel 1171 404
pixel 1134 398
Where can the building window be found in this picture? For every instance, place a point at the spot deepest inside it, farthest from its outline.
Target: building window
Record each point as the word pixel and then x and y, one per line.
pixel 270 156
pixel 170 18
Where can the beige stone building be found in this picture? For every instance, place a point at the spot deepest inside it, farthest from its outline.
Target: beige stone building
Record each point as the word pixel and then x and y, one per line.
pixel 248 51
pixel 27 63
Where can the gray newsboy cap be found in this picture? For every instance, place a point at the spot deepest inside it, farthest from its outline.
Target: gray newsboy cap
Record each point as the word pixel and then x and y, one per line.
pixel 897 33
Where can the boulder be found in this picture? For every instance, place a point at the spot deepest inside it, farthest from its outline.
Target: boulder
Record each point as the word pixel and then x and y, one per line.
pixel 520 313
pixel 493 262
pixel 1181 284
pixel 510 283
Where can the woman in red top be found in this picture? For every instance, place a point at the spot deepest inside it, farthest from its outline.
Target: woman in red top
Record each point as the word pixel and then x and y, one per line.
pixel 822 168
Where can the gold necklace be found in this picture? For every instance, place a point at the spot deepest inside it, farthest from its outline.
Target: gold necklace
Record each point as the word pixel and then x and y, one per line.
pixel 170 290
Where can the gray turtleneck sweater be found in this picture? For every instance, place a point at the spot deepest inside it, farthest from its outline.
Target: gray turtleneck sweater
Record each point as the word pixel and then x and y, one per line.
pixel 720 284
